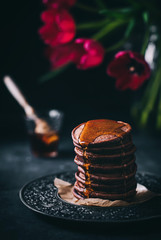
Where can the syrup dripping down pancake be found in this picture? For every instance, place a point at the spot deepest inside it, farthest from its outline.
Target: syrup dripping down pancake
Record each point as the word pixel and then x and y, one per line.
pixel 105 158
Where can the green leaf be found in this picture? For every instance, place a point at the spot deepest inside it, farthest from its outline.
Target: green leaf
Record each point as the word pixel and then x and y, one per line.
pixel 107 29
pixel 92 25
pixel 145 41
pixel 123 12
pixel 126 35
pixel 152 97
pixel 116 45
pixel 53 74
pixel 145 17
pixel 129 27
pixel 158 119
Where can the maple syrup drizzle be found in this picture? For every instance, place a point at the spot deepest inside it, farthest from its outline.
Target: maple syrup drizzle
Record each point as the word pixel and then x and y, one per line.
pixel 91 131
pixel 96 128
pixel 88 189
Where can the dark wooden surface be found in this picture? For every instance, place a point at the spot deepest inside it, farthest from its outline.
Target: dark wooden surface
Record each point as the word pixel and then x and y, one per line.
pixel 18 166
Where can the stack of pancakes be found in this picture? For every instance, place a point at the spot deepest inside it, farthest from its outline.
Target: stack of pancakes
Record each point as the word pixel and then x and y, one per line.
pixel 106 161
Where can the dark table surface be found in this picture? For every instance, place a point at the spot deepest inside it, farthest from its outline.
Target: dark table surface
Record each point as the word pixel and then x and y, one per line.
pixel 18 166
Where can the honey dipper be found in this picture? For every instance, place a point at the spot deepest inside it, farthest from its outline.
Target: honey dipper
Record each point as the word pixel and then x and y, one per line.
pixel 41 125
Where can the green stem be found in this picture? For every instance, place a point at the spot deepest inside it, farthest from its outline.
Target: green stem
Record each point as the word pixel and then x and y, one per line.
pixel 124 39
pixel 140 106
pixel 158 120
pixel 86 8
pixel 117 45
pixel 147 93
pixel 151 100
pixel 146 40
pixel 108 28
pixel 151 92
pixel 53 73
pixel 149 86
pixel 90 25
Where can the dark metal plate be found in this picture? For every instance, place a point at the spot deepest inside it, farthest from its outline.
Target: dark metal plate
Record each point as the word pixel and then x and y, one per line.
pixel 41 196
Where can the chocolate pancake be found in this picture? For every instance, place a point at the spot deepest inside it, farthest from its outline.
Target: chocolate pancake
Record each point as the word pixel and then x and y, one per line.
pixel 118 154
pixel 105 158
pixel 124 196
pixel 107 170
pixel 105 161
pixel 117 188
pixel 81 193
pixel 106 179
pixel 107 149
pixel 109 139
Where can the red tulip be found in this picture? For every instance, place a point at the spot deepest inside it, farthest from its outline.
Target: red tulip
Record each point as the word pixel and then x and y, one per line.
pixel 88 53
pixel 85 53
pixel 59 3
pixel 130 70
pixel 60 55
pixel 59 27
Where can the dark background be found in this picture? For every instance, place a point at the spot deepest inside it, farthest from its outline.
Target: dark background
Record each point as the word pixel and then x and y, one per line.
pixel 79 94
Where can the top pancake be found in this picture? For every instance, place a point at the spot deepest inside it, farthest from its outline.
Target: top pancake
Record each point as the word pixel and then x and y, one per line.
pixel 115 133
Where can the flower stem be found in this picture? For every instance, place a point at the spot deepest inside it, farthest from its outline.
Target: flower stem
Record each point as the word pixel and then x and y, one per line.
pixel 90 25
pixel 53 73
pixel 116 45
pixel 146 40
pixel 158 120
pixel 152 97
pixel 124 39
pixel 108 28
pixel 147 92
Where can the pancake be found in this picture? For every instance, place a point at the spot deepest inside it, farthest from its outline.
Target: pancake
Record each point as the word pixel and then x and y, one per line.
pixel 111 154
pixel 106 161
pixel 110 139
pixel 111 161
pixel 81 193
pixel 106 167
pixel 115 188
pixel 117 170
pixel 103 149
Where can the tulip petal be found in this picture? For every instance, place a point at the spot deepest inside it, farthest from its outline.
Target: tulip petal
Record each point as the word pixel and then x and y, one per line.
pixel 59 27
pixel 88 53
pixel 59 3
pixel 130 70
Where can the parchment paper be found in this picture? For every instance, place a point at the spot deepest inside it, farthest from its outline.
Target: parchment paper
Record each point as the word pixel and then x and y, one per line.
pixel 65 192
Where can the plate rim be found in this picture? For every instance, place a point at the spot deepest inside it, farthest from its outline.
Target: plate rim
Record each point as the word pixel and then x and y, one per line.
pixel 86 206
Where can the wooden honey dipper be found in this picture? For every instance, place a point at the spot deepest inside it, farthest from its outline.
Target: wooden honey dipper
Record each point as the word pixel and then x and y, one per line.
pixel 41 125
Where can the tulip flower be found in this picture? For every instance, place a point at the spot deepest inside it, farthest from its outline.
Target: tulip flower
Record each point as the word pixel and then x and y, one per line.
pixel 88 53
pixel 60 55
pixel 85 53
pixel 130 70
pixel 59 27
pixel 59 3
